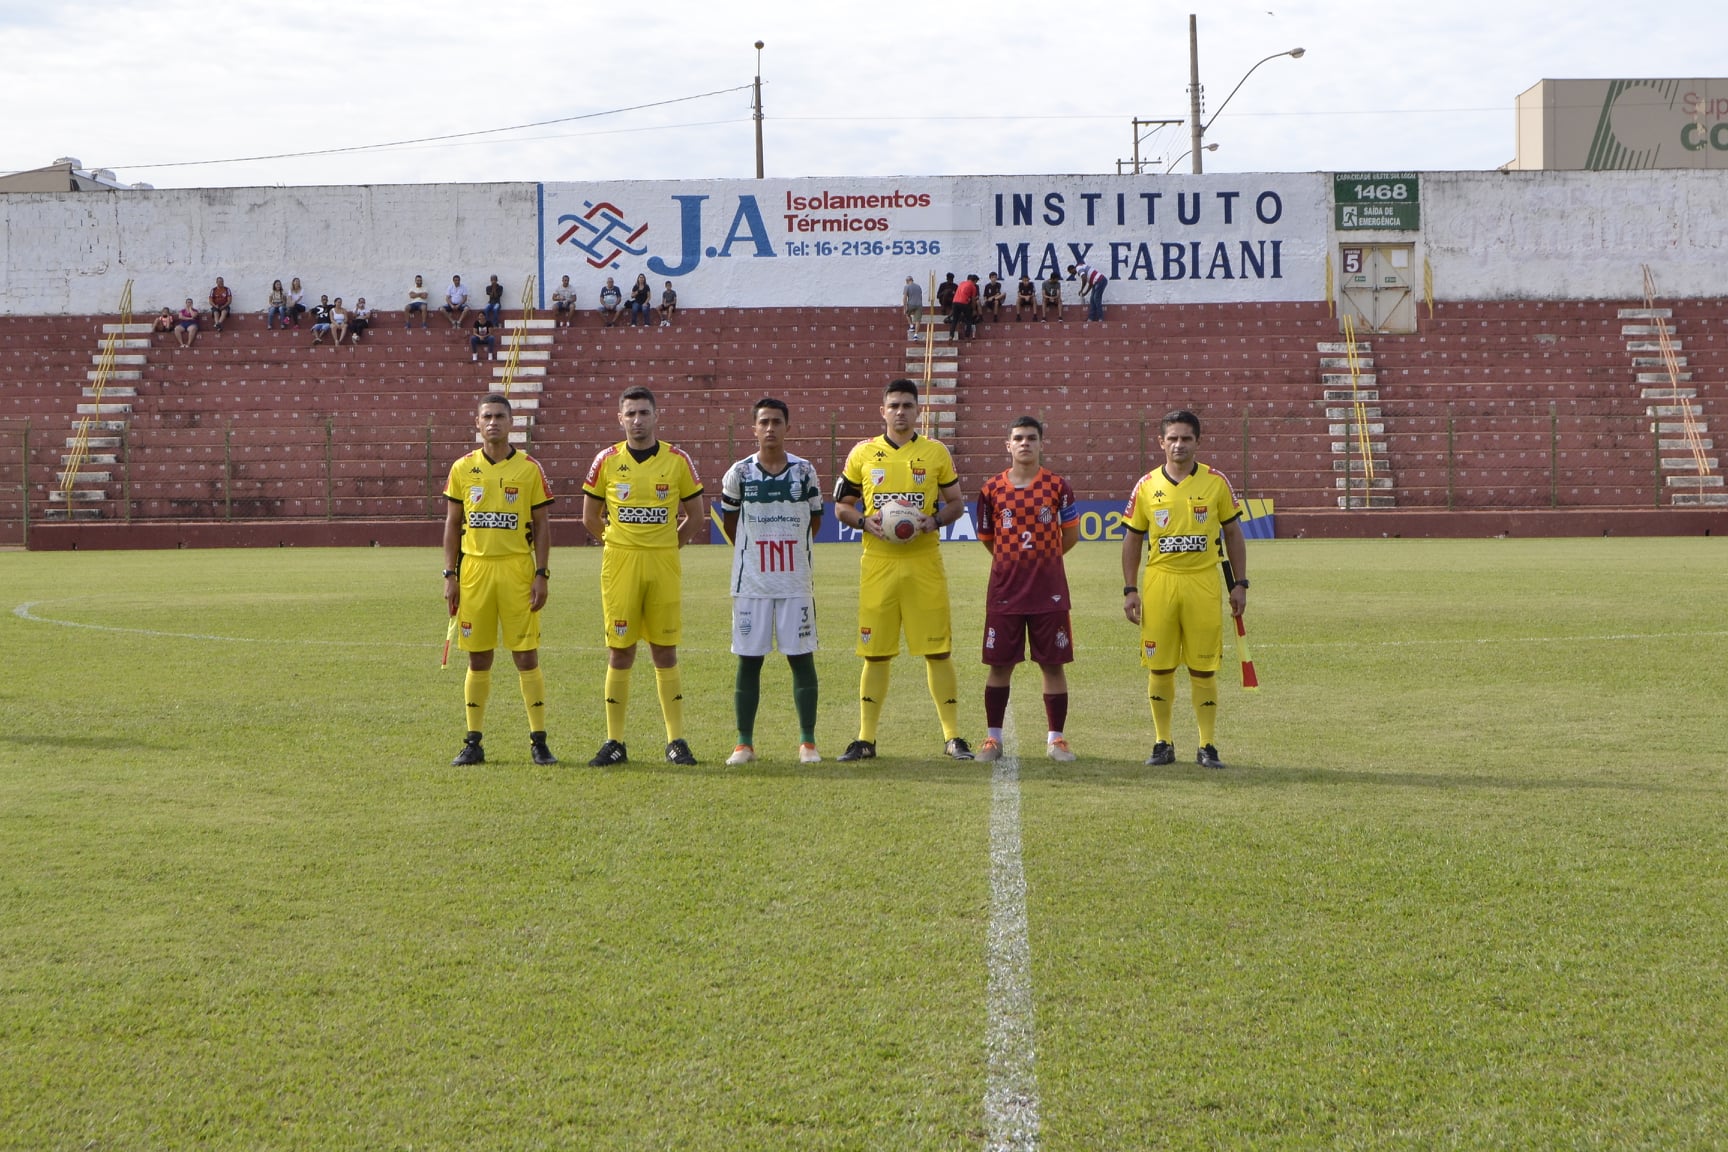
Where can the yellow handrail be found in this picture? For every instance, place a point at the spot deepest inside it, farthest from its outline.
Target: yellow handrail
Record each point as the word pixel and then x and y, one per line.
pixel 104 370
pixel 1359 413
pixel 927 419
pixel 1688 419
pixel 517 335
pixel 1428 285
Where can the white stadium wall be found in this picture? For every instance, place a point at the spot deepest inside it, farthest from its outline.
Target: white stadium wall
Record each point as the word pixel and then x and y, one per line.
pixel 827 242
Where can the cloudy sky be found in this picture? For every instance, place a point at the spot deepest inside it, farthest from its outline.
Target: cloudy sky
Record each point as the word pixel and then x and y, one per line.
pixel 659 89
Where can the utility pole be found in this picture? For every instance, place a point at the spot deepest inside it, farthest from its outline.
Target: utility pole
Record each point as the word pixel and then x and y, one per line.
pixel 1195 130
pixel 758 103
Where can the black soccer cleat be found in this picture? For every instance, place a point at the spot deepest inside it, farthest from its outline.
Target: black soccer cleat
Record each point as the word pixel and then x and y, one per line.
pixel 1163 753
pixel 612 752
pixel 859 750
pixel 1207 757
pixel 471 752
pixel 958 749
pixel 537 749
pixel 678 752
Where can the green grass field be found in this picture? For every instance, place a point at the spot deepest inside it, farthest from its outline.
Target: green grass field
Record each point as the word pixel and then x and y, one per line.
pixel 1464 884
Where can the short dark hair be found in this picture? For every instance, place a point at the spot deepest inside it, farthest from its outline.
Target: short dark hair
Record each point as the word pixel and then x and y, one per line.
pixel 638 392
pixel 1028 422
pixel 496 398
pixel 1180 416
pixel 769 402
pixel 902 385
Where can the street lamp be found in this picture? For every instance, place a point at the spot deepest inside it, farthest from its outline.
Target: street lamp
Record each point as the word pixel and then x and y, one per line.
pixel 1197 130
pixel 758 109
pixel 1171 167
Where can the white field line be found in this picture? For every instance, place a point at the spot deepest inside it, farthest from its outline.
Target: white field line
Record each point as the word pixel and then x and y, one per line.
pixel 1607 638
pixel 1011 1083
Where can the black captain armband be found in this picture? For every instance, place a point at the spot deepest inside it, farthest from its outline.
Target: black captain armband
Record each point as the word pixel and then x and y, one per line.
pixel 844 488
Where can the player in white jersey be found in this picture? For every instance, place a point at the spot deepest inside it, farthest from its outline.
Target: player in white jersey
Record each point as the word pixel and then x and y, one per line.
pixel 770 508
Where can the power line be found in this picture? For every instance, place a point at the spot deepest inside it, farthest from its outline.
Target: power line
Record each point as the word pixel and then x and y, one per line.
pixel 435 139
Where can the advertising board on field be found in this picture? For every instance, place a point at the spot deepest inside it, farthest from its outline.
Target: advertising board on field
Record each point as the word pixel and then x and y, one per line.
pixel 1099 520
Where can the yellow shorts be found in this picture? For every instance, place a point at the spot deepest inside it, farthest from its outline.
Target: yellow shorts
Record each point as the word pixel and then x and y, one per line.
pixel 1182 621
pixel 910 593
pixel 495 594
pixel 642 595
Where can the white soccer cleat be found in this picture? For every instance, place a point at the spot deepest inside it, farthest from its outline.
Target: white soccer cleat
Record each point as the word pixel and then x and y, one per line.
pixel 1059 750
pixel 807 754
pixel 743 754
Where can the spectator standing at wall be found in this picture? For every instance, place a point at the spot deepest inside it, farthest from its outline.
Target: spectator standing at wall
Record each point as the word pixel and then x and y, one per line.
pixel 220 299
pixel 1053 294
pixel 186 324
pixel 456 302
pixel 360 321
pixel 296 301
pixel 320 319
pixel 1092 283
pixel 912 301
pixel 419 300
pixel 1026 299
pixel 278 305
pixel 494 302
pixel 563 304
pixel 668 304
pixel 640 297
pixel 993 298
pixel 945 296
pixel 610 299
pixel 482 338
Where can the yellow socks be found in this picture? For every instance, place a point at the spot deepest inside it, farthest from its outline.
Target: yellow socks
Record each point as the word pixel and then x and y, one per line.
pixel 476 690
pixel 617 701
pixel 534 697
pixel 945 691
pixel 1204 689
pixel 669 683
pixel 872 693
pixel 1161 687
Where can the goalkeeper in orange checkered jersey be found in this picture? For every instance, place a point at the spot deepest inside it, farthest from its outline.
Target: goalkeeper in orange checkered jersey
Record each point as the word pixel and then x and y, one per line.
pixel 1184 508
pixel 1028 519
pixel 496 549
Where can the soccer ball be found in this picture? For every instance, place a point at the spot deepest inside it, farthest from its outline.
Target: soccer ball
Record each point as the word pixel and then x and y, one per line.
pixel 900 519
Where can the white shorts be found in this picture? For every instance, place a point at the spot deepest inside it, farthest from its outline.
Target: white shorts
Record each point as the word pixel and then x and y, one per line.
pixel 759 621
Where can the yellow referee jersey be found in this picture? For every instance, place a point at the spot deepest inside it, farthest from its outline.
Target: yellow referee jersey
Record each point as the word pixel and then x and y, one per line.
pixel 642 496
pixel 1182 520
pixel 496 500
pixel 916 471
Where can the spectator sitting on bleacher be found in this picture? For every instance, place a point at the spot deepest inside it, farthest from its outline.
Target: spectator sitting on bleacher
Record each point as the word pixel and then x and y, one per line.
pixel 220 299
pixel 945 296
pixel 563 304
pixel 1026 297
pixel 640 295
pixel 320 319
pixel 482 336
pixel 456 302
pixel 296 305
pixel 164 320
pixel 419 300
pixel 993 298
pixel 186 325
pixel 610 299
pixel 278 306
pixel 338 323
pixel 668 305
pixel 360 320
pixel 1053 293
pixel 494 302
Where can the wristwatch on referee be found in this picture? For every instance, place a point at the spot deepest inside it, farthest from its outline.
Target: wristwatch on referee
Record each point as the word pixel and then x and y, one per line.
pixel 449 572
pixel 543 573
pixel 1242 584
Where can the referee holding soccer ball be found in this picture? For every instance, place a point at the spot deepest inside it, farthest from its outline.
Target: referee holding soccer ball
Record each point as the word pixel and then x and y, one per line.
pixel 902 583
